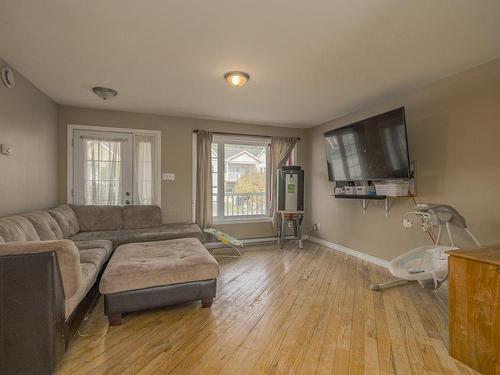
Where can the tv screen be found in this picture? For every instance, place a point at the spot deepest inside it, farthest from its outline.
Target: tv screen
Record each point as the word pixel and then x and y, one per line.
pixel 372 149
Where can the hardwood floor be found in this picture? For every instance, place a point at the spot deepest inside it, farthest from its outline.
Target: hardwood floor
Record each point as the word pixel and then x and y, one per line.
pixel 278 311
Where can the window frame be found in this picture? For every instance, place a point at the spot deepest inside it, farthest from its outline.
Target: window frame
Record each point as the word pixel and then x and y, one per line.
pixel 222 140
pixel 69 154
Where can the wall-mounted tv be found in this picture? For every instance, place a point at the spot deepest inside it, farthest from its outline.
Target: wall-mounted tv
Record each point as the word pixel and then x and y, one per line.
pixel 372 149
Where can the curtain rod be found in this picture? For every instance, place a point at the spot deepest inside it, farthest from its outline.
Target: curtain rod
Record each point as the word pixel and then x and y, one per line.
pixel 240 134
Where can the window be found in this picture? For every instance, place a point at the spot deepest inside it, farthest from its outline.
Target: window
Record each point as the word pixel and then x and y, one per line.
pixel 240 169
pixel 110 167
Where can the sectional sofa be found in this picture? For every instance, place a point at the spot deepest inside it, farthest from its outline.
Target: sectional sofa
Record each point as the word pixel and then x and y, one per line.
pixel 50 265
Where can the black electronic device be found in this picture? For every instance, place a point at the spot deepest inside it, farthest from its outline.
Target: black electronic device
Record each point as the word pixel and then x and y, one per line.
pixel 375 148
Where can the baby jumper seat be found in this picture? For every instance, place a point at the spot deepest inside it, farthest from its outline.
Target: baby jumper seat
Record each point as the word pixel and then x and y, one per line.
pixel 428 265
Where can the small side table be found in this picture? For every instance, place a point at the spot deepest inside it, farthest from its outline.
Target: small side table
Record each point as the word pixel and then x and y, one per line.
pixel 296 217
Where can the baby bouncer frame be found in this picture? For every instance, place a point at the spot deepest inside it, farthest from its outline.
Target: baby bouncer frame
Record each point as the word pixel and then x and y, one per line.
pixel 428 265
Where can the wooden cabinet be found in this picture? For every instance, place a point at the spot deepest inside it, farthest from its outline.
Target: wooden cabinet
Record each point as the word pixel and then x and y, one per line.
pixel 474 299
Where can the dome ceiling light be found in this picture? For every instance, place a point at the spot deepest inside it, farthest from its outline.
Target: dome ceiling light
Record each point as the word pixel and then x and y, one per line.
pixel 236 79
pixel 104 93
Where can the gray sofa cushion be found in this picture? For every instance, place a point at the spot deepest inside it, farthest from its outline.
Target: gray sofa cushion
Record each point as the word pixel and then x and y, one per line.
pixel 98 256
pixel 98 218
pixel 169 231
pixel 45 225
pixel 162 232
pixel 110 235
pixel 10 231
pixel 89 274
pixel 137 217
pixel 95 244
pixel 26 227
pixel 66 219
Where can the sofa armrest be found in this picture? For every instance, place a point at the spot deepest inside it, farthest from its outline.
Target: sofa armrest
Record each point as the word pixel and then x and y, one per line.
pixel 32 321
pixel 67 254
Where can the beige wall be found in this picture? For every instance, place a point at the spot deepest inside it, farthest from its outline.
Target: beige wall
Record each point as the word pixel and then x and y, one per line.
pixel 454 137
pixel 28 122
pixel 176 142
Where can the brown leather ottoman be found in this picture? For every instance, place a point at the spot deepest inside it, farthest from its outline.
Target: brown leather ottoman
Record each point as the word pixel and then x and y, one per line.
pixel 146 275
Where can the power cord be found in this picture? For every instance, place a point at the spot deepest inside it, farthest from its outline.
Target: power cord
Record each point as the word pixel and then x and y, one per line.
pixel 313 229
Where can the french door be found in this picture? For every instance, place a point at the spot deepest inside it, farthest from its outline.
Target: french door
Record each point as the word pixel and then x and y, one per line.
pixel 102 168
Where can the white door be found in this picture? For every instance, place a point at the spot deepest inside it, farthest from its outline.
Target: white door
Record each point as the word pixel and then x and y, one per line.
pixel 102 168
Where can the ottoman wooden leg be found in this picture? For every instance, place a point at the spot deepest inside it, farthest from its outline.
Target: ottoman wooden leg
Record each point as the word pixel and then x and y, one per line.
pixel 206 302
pixel 115 319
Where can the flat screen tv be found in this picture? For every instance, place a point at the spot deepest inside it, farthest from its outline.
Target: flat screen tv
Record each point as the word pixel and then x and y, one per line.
pixel 372 149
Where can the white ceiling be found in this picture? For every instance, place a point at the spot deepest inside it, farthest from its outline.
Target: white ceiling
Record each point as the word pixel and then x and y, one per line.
pixel 309 61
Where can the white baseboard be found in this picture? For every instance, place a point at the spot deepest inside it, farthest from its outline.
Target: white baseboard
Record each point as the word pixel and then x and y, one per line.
pixel 248 241
pixel 354 253
pixel 330 245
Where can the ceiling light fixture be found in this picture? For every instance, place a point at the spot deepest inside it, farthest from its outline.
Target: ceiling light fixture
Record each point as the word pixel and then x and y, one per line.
pixel 236 79
pixel 104 93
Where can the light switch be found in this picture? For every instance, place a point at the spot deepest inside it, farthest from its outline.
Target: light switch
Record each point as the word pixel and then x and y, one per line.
pixel 168 176
pixel 6 149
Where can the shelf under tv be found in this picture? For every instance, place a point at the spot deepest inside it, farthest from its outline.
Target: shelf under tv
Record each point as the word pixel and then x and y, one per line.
pixel 352 196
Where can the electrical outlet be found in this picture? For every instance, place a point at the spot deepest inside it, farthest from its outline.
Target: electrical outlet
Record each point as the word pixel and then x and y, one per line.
pixel 168 176
pixel 6 149
pixel 316 226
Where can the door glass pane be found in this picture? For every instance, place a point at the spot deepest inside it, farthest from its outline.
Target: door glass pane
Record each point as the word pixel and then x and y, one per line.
pixel 102 172
pixel 145 175
pixel 245 180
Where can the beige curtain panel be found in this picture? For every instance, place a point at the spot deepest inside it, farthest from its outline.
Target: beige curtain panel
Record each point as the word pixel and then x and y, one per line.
pixel 281 149
pixel 204 179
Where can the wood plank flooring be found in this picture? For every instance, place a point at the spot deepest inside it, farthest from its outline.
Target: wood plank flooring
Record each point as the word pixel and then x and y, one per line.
pixel 287 311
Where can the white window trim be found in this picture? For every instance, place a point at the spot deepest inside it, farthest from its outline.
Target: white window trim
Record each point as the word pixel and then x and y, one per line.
pixel 69 152
pixel 236 220
pixel 242 140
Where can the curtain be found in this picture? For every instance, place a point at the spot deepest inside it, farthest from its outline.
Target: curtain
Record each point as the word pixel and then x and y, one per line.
pixel 145 170
pixel 281 149
pixel 102 172
pixel 204 178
